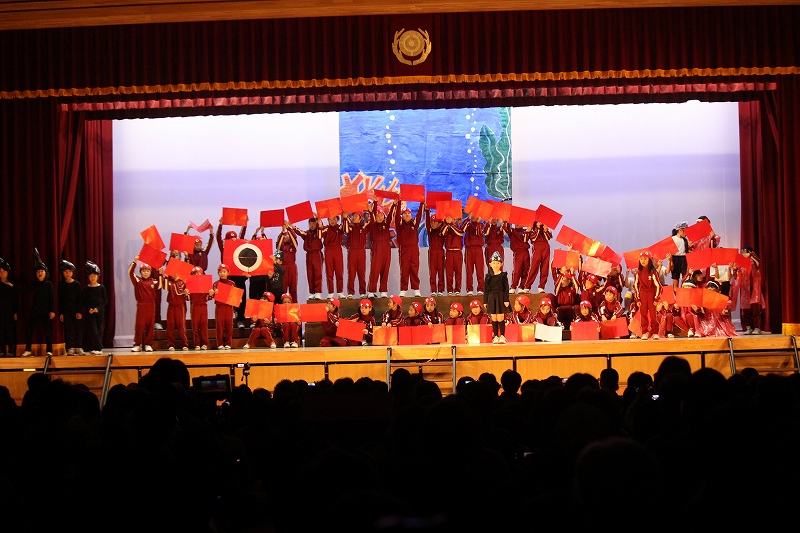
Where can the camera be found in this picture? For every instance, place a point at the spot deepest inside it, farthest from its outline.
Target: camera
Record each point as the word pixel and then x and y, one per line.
pixel 217 387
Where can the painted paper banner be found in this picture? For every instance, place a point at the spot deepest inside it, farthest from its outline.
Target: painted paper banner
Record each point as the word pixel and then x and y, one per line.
pixel 313 312
pixel 351 329
pixel 479 333
pixel 520 332
pixel 287 312
pixel 153 238
pixel 614 329
pixel 199 283
pixel 254 257
pixel 234 216
pixel 663 247
pixel 385 194
pixel 697 231
pixel 205 226
pixel 585 331
pixel 299 212
pixel 438 334
pixel 451 209
pixel 438 196
pixel 596 266
pixel 152 256
pixel 607 254
pixel 590 247
pixel 271 218
pixel 547 333
pixel 329 208
pixel 412 193
pixel 229 294
pixel 355 203
pixel 384 336
pixel 181 242
pixel 256 309
pixel 565 258
pixel 179 268
pixel 547 216
pixel 456 334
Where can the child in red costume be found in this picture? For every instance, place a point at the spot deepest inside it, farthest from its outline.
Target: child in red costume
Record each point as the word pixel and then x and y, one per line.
pixel 407 227
pixel 540 236
pixel 381 252
pixel 585 314
pixel 393 316
pixel 476 314
pixel 453 255
pixel 610 308
pixel 330 326
pixel 199 314
pixel 646 290
pixel 666 320
pixel 145 290
pixel 223 313
pixel 287 244
pixel 263 327
pixel 177 296
pixel 291 330
pixel 493 239
pixel 435 253
pixel 356 232
pixel 366 316
pixel 521 313
pixel 750 293
pixel 474 231
pixel 414 316
pixel 545 315
pixel 199 255
pixel 312 244
pixel 566 293
pixel 332 235
pixel 520 249
pixel 430 315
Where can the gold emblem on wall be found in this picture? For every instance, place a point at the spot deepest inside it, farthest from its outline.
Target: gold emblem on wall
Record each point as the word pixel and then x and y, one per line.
pixel 411 47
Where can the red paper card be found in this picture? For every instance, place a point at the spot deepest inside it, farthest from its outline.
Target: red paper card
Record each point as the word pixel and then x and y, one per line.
pixel 520 216
pixel 612 329
pixel 153 238
pixel 473 204
pixel 181 242
pixel 205 226
pixel 596 266
pixel 547 216
pixel 298 212
pixel 258 309
pixel 635 325
pixel 438 334
pixel 405 335
pixel 384 336
pixel 697 231
pixel 513 333
pixel 355 203
pixel 254 257
pixel 700 259
pixel 565 258
pixel 714 301
pixel 632 258
pixel 528 332
pixel 412 193
pixel 663 247
pixel 180 268
pixel 611 256
pixel 287 312
pixel 313 312
pixel 234 216
pixel 271 218
pixel 484 211
pixel 199 283
pixel 229 294
pixel 351 329
pixel 385 194
pixel 589 247
pixel 437 196
pixel 449 209
pixel 329 208
pixel 667 295
pixel 152 256
pixel 585 331
pixel 479 333
pixel 569 237
pixel 456 334
pixel 501 211
pixel 743 262
pixel 689 297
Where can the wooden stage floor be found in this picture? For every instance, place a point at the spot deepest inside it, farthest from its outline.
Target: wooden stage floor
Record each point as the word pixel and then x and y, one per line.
pixel 264 367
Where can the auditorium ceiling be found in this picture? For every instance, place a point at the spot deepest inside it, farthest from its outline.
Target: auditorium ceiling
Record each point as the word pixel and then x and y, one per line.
pixel 22 14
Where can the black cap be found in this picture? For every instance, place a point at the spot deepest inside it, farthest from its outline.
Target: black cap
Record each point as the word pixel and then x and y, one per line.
pixel 66 265
pixel 4 265
pixel 91 268
pixel 38 264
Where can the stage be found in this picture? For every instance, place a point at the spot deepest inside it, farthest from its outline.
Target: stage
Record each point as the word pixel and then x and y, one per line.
pixel 265 367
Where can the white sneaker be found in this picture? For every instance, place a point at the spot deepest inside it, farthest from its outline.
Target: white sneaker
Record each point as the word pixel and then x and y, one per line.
pixel 185 348
pixel 148 348
pixel 369 295
pixel 691 333
pixel 318 296
pixel 158 326
pixel 246 347
pixel 512 291
pixel 417 293
pixel 502 339
pixel 525 291
pixel 402 294
pixel 748 331
pixel 49 354
pixel 495 340
pixel 331 295
pixel 227 347
pixel 384 295
pixel 349 296
pixel 204 347
pixel 294 345
pixel 656 337
pixel 97 352
pixel 79 351
pixel 364 295
pixel 285 344
pixel 27 353
pixel 469 293
pixel 71 351
pixel 541 291
pixel 757 331
pixel 134 349
pixel 273 345
pixel 645 336
pixel 363 343
pixel 220 347
pixel 670 336
pixel 240 325
pixel 343 295
pixel 479 293
pixel 171 348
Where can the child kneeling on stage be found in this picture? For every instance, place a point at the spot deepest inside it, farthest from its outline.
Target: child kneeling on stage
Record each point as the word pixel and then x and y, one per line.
pixel 262 328
pixel 291 330
pixel 330 326
pixel 366 316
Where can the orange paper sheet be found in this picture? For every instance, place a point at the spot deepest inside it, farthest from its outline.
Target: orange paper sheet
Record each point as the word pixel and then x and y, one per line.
pixel 697 231
pixel 351 329
pixel 287 312
pixel 256 309
pixel 234 216
pixel 479 333
pixel 153 238
pixel 564 258
pixel 313 312
pixel 329 208
pixel 177 267
pixel 152 256
pixel 229 294
pixel 547 216
pixel 585 331
pixel 449 209
pixel 384 336
pixel 438 196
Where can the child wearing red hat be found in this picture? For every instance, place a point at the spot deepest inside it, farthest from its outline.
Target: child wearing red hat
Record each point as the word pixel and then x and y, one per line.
pixel 332 237
pixel 646 290
pixel 199 255
pixel 566 293
pixel 330 326
pixel 474 231
pixel 476 314
pixel 539 238
pixel 223 313
pixel 453 255
pixel 545 315
pixel 312 244
pixel 238 281
pixel 198 312
pixel 366 316
pixel 177 296
pixel 356 232
pixel 435 253
pixel 262 327
pixel 521 313
pixel 430 315
pixel 518 237
pixel 456 315
pixel 145 290
pixel 407 228
pixel 414 316
pixel 381 251
pixel 287 245
pixel 585 314
pixel 290 330
pixel 393 316
pixel 610 308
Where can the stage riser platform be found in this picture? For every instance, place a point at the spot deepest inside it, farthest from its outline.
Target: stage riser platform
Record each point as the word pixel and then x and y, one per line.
pixel 537 360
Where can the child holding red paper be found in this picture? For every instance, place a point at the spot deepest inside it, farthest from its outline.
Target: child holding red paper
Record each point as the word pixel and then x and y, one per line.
pixel 356 232
pixel 646 290
pixel 199 255
pixel 414 316
pixel 520 249
pixel 545 315
pixel 540 236
pixel 717 323
pixel 474 231
pixel 435 253
pixel 262 327
pixel 290 330
pixel 330 326
pixel 287 245
pixel 366 316
pixel 493 239
pixel 430 315
pixel 566 293
pixel 586 314
pixel 453 255
pixel 199 314
pixel 332 236
pixel 393 316
pixel 145 290
pixel 177 296
pixel 312 244
pixel 611 308
pixel 749 285
pixel 223 313
pixel 476 314
pixel 407 227
pixel 381 253
pixel 238 281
